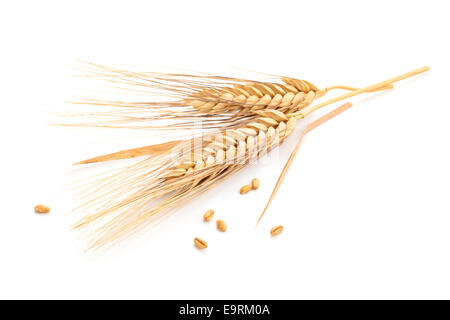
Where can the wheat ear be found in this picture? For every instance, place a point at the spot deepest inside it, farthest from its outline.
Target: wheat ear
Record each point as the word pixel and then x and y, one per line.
pixel 218 101
pixel 132 201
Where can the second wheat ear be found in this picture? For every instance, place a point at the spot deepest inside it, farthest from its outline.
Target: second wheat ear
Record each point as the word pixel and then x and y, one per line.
pixel 242 120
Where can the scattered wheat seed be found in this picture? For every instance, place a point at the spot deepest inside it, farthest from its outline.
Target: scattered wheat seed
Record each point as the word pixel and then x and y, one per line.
pixel 255 183
pixel 208 215
pixel 221 225
pixel 276 230
pixel 200 244
pixel 245 189
pixel 40 208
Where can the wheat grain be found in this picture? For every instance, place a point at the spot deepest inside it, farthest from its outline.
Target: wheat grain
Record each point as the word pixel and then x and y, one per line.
pixel 276 230
pixel 255 184
pixel 41 208
pixel 199 243
pixel 208 215
pixel 245 189
pixel 221 225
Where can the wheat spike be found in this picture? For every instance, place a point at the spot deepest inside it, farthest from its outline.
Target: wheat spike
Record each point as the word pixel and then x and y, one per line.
pixel 217 101
pixel 291 96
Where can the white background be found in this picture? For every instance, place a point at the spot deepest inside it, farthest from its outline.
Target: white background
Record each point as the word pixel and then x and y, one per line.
pixel 365 206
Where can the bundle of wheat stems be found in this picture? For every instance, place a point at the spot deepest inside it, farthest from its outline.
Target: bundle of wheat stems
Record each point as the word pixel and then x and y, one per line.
pixel 242 120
